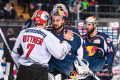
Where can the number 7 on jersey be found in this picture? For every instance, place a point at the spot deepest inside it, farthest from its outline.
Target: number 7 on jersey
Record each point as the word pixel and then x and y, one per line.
pixel 30 49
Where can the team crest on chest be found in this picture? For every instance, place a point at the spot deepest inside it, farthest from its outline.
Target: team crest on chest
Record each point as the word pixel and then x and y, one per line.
pixel 72 39
pixel 96 41
pixel 108 40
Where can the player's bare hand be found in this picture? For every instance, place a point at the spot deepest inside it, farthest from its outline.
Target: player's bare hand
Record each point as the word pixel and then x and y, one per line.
pixel 68 35
pixel 4 59
pixel 33 16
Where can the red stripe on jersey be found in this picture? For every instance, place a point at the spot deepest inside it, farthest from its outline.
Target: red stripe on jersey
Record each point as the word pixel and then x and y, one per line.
pixel 60 42
pixel 92 38
pixel 77 34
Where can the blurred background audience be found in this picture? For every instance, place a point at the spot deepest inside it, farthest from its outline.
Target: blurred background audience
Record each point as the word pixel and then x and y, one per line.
pixel 12 9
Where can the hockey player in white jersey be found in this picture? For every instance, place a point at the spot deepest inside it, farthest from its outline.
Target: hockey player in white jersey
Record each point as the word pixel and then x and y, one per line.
pixel 38 45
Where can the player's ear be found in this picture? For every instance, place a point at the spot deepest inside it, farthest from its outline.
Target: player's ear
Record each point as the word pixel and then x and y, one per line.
pixel 94 25
pixel 63 20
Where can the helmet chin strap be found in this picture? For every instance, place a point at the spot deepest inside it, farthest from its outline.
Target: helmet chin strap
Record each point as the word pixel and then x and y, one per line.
pixel 46 26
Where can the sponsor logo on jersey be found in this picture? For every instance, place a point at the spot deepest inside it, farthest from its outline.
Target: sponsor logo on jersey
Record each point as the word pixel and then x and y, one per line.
pixel 72 74
pixel 72 39
pixel 96 41
pixel 108 40
pixel 91 50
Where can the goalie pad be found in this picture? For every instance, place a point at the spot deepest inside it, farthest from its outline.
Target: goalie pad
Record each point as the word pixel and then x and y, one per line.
pixel 52 77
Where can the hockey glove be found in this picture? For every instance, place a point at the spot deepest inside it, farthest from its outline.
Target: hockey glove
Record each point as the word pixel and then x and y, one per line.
pixel 20 50
pixel 107 69
pixel 100 52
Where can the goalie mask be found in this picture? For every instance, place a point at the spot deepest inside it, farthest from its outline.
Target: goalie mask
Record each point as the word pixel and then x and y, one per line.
pixel 42 17
pixel 61 10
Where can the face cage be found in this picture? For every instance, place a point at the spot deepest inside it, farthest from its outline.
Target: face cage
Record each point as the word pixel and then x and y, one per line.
pixel 61 7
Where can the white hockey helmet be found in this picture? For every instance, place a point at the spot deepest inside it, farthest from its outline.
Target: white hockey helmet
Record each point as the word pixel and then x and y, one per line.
pixel 61 10
pixel 91 19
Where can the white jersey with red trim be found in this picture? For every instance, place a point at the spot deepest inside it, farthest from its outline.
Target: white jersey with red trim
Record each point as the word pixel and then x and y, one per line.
pixel 101 40
pixel 38 46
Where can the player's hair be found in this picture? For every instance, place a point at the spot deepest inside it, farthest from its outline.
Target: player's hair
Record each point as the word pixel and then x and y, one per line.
pixel 55 14
pixel 39 24
pixel 10 31
pixel 8 4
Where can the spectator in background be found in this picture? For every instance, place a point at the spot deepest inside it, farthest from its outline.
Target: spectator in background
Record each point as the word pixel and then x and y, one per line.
pixel 9 12
pixel 25 4
pixel 85 5
pixel 47 6
pixel 70 1
pixel 92 5
pixel 32 9
pixel 11 38
pixel 73 8
pixel 21 18
pixel 85 9
pixel 93 2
